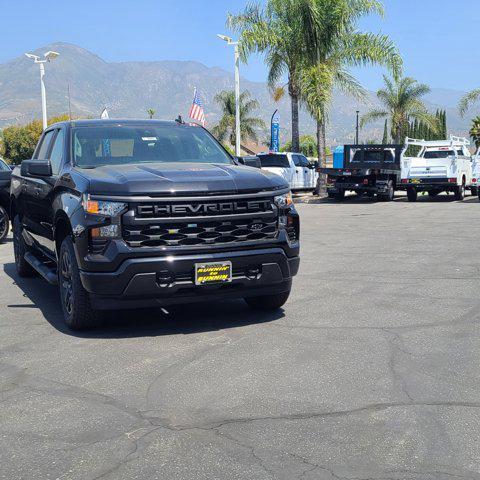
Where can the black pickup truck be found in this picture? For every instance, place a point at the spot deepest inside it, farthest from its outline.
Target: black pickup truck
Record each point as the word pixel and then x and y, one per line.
pixel 5 177
pixel 367 170
pixel 128 214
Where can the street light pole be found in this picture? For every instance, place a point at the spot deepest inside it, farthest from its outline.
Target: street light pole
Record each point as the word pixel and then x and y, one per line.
pixel 237 92
pixel 357 130
pixel 44 95
pixel 237 102
pixel 48 57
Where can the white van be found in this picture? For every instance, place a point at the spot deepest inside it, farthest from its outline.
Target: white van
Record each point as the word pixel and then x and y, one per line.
pixel 293 167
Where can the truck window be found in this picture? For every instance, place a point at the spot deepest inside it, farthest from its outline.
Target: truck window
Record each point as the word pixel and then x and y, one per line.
pixel 57 152
pixel 120 145
pixel 274 160
pixel 438 154
pixel 42 152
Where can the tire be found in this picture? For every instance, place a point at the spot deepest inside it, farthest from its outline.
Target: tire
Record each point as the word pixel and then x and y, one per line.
pixel 474 191
pixel 20 248
pixel 339 196
pixel 77 310
pixel 412 194
pixel 459 192
pixel 330 195
pixel 389 195
pixel 4 224
pixel 268 302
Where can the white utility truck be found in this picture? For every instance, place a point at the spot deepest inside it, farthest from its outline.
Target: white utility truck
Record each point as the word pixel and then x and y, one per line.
pixel 475 189
pixel 440 166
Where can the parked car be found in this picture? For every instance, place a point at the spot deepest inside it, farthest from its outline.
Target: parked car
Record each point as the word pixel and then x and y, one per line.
pixel 127 214
pixel 5 176
pixel 293 167
pixel 440 166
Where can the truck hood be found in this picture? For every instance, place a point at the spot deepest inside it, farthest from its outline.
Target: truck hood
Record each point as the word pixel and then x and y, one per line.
pixel 155 179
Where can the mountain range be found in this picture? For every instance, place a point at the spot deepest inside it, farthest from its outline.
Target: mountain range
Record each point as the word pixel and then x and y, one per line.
pixel 128 89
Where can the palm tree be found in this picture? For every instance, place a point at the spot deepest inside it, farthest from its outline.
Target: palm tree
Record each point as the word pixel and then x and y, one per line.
pixel 248 124
pixel 468 100
pixel 150 113
pixel 402 104
pixel 475 131
pixel 298 34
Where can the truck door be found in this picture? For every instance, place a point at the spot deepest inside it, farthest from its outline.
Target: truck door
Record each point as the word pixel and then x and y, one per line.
pixel 38 213
pixel 299 177
pixel 309 173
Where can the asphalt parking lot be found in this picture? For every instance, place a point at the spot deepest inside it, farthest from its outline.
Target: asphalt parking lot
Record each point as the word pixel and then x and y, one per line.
pixel 371 371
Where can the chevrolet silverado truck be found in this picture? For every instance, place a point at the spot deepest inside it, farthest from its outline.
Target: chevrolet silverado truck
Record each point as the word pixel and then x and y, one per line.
pixel 440 166
pixel 129 214
pixel 5 176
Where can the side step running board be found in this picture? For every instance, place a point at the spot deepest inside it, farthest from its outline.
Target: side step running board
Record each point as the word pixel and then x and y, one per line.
pixel 44 270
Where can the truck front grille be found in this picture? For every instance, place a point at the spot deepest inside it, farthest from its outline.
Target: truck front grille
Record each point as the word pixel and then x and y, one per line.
pixel 201 233
pixel 254 220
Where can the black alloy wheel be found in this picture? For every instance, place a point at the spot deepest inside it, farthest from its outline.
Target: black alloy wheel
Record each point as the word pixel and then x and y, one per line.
pixel 66 283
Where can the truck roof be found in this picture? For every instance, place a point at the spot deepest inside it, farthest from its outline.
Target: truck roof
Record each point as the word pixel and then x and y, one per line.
pixel 96 122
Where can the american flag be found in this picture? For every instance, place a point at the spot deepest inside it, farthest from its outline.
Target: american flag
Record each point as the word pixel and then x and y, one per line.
pixel 196 111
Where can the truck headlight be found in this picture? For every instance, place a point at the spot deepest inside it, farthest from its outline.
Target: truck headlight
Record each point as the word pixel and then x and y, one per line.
pixel 104 208
pixel 283 201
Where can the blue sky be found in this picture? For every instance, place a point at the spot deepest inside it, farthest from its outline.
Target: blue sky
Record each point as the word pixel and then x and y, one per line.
pixel 439 39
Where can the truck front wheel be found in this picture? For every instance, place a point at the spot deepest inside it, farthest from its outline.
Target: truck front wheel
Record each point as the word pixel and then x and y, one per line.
pixel 268 302
pixel 412 195
pixel 77 311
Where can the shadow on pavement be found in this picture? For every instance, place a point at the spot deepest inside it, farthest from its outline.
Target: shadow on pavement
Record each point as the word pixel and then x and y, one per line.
pixel 363 199
pixel 183 319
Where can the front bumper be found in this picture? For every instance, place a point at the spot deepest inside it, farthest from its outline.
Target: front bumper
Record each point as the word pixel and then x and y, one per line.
pixel 140 282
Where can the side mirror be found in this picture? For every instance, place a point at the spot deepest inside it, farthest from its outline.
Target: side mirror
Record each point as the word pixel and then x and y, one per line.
pixel 250 161
pixel 36 168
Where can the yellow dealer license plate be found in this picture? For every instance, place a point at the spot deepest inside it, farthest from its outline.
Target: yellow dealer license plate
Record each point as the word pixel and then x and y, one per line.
pixel 215 272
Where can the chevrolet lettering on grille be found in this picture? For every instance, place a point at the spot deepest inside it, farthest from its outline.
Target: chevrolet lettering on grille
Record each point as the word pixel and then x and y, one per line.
pixel 161 210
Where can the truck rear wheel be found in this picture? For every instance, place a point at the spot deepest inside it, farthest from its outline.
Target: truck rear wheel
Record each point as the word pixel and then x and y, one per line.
pixel 20 248
pixel 268 302
pixel 459 192
pixel 474 191
pixel 340 195
pixel 389 194
pixel 412 195
pixel 77 310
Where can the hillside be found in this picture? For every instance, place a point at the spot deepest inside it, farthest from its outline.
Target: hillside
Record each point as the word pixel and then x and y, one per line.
pixel 129 88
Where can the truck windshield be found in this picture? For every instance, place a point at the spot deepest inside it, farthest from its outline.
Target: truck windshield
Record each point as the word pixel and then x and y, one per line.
pixel 438 154
pixel 119 145
pixel 274 161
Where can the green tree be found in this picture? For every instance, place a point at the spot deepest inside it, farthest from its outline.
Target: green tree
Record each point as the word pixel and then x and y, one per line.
pixel 308 146
pixel 475 131
pixel 151 113
pixel 385 133
pixel 468 100
pixel 298 36
pixel 225 130
pixel 19 141
pixel 402 103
